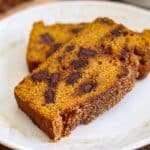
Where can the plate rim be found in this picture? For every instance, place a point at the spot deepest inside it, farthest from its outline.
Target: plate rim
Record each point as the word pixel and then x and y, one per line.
pixel 26 10
pixel 10 144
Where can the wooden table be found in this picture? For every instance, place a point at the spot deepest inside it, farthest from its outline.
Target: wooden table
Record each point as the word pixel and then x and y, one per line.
pixel 21 7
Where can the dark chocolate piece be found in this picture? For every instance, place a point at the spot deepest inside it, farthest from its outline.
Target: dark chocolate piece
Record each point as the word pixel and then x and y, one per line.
pixel 47 38
pixel 79 63
pixel 76 30
pixel 40 76
pixel 54 49
pixel 69 48
pixel 54 78
pixel 72 78
pixel 87 87
pixel 49 96
pixel 86 52
pixel 119 31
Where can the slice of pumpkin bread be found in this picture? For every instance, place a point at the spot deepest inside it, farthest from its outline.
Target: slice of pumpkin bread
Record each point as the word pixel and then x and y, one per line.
pixel 45 40
pixel 75 85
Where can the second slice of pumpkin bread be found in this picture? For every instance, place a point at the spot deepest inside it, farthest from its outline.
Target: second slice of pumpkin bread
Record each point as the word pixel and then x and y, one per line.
pixel 74 86
pixel 46 40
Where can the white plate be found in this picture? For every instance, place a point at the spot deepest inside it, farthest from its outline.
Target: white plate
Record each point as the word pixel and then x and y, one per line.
pixel 126 126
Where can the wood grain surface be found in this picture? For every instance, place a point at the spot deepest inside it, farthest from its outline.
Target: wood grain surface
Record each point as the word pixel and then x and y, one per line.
pixel 21 7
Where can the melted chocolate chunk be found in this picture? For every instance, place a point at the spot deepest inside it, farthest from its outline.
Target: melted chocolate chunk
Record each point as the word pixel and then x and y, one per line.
pixel 79 63
pixel 40 76
pixel 54 78
pixel 87 87
pixel 72 78
pixel 118 31
pixel 54 49
pixel 86 52
pixel 76 30
pixel 49 96
pixel 47 38
pixel 57 46
pixel 69 48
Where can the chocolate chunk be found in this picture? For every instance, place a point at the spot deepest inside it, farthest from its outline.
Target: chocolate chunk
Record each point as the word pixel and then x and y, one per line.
pixel 40 76
pixel 76 30
pixel 54 78
pixel 56 46
pixel 47 38
pixel 69 48
pixel 72 78
pixel 86 52
pixel 87 87
pixel 53 49
pixel 118 31
pixel 49 96
pixel 79 63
